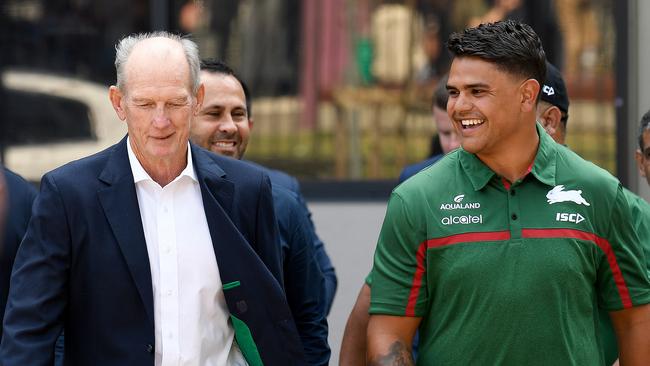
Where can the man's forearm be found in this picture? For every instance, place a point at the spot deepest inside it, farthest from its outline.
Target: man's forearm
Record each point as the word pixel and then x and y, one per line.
pixel 398 354
pixel 353 346
pixel 634 349
pixel 632 327
pixel 389 339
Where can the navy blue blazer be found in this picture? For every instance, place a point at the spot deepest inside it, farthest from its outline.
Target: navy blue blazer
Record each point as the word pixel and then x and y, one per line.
pixel 21 195
pixel 282 179
pixel 303 278
pixel 83 266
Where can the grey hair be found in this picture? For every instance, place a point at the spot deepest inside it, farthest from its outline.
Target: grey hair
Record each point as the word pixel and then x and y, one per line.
pixel 125 46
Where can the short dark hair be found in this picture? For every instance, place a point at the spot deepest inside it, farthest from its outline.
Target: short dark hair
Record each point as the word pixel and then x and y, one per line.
pixel 220 67
pixel 441 94
pixel 513 47
pixel 645 126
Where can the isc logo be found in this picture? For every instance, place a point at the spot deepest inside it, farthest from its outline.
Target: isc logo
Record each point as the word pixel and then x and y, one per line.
pixel 569 217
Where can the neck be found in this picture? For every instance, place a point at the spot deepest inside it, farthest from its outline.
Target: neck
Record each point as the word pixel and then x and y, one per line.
pixel 512 162
pixel 164 172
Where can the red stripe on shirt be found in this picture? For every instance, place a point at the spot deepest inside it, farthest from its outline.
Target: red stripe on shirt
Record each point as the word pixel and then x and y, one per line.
pixel 417 280
pixel 602 243
pixel 468 238
pixel 439 242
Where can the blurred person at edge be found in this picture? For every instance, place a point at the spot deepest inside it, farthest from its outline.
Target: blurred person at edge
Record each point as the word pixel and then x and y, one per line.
pixel 525 212
pixel 153 251
pixel 445 132
pixel 16 199
pixel 223 126
pixel 642 155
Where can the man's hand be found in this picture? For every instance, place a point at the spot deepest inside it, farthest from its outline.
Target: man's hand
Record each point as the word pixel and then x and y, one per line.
pixel 389 340
pixel 632 328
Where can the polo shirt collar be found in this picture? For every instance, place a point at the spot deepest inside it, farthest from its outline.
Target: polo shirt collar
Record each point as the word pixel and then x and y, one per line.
pixel 545 165
pixel 139 174
pixel 543 169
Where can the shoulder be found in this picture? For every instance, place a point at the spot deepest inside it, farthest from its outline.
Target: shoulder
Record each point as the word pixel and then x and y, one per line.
pixel 18 186
pixel 432 179
pixel 413 169
pixel 237 171
pixel 640 208
pixel 84 169
pixel 279 178
pixel 284 200
pixel 574 172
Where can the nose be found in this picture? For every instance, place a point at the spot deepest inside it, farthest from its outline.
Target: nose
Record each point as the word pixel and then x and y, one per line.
pixel 160 118
pixel 462 103
pixel 227 125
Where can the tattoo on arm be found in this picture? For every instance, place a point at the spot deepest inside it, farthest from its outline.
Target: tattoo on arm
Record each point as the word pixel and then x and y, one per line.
pixel 398 355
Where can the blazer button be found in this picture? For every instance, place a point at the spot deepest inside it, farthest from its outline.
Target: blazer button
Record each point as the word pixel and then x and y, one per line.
pixel 242 306
pixel 148 348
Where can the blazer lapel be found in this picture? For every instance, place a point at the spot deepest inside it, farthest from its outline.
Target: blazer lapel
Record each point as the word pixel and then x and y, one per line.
pixel 120 203
pixel 218 194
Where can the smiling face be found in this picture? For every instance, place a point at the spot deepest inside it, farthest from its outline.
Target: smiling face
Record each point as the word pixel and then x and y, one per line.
pixel 157 103
pixel 222 125
pixel 488 107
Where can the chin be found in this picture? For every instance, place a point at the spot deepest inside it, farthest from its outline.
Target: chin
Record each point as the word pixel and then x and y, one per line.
pixel 470 148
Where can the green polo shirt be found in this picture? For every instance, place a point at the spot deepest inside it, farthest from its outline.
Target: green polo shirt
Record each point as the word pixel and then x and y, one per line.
pixel 509 276
pixel 640 212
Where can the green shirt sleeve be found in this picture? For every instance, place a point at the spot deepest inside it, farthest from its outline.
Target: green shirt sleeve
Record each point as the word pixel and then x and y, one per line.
pixel 369 279
pixel 622 272
pixel 396 263
pixel 641 215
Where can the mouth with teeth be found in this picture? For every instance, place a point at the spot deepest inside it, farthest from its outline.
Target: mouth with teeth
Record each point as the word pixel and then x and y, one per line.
pixel 225 147
pixel 471 123
pixel 223 144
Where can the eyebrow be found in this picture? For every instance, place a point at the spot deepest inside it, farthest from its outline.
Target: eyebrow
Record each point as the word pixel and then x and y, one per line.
pixel 178 100
pixel 146 99
pixel 141 100
pixel 469 86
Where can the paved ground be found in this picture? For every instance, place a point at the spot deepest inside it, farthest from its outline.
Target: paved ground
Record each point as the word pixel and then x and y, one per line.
pixel 349 231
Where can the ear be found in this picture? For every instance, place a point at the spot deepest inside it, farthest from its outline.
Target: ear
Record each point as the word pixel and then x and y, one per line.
pixel 200 95
pixel 551 119
pixel 529 91
pixel 115 95
pixel 638 156
pixel 250 123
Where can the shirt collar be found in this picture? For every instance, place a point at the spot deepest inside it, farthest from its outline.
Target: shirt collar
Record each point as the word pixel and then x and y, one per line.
pixel 139 174
pixel 544 165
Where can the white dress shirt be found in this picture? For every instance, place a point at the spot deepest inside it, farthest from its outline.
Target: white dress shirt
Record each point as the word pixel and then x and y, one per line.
pixel 191 318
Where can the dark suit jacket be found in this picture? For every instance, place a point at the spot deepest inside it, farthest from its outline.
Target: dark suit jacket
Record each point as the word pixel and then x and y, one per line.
pixel 83 265
pixel 21 195
pixel 284 180
pixel 303 279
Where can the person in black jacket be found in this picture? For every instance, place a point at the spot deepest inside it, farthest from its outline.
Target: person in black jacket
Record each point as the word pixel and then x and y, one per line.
pixel 20 196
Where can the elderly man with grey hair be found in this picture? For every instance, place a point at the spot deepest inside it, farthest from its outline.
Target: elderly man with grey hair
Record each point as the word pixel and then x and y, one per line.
pixel 153 251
